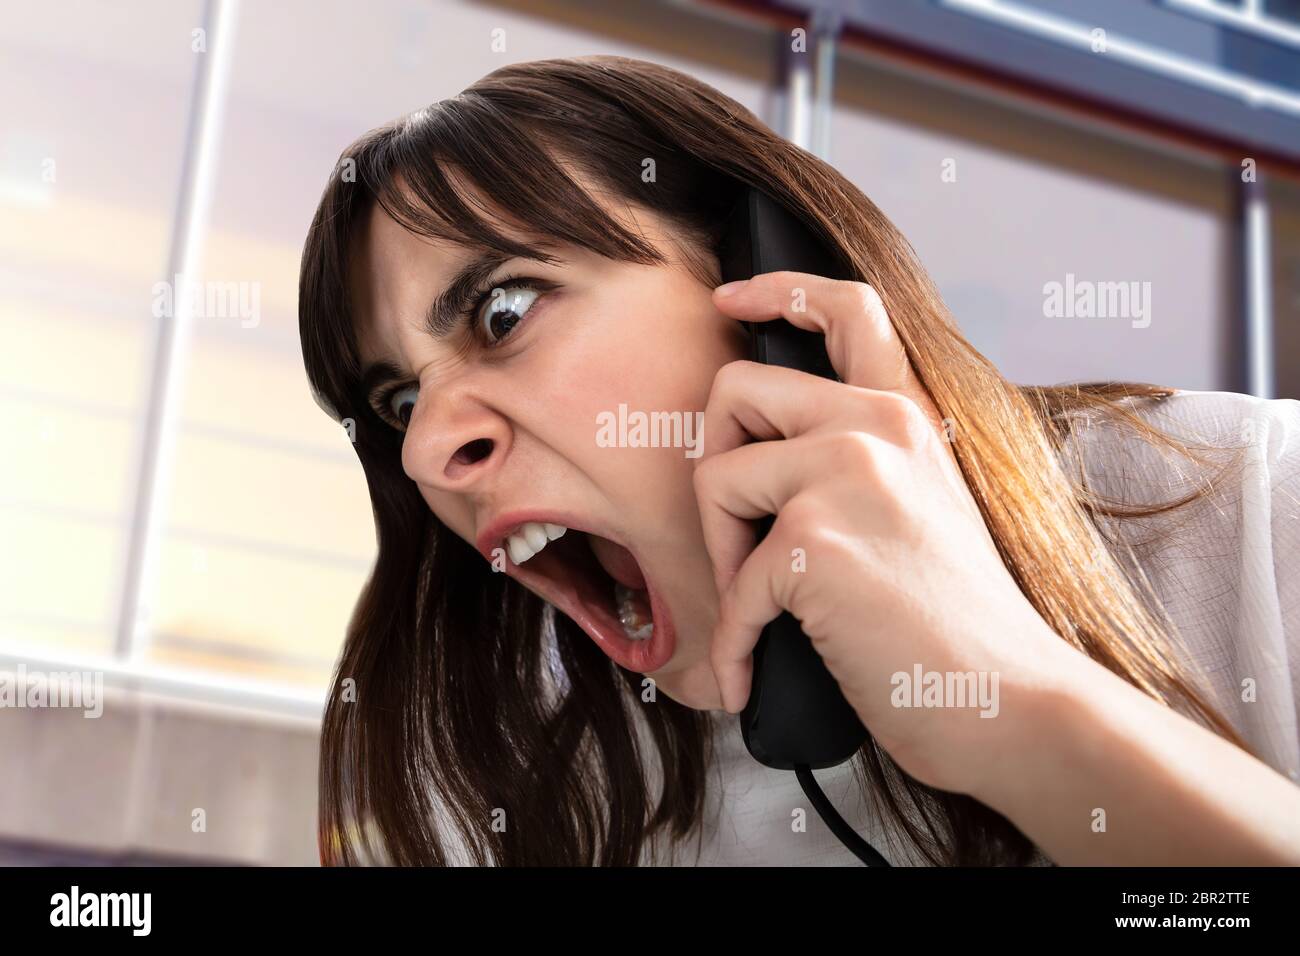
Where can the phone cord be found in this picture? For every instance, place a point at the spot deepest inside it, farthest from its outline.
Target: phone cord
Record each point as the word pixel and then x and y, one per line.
pixel 846 834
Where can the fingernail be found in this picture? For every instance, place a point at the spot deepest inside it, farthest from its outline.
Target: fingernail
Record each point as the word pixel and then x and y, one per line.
pixel 729 288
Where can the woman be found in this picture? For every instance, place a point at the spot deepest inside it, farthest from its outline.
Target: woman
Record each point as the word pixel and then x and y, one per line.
pixel 545 664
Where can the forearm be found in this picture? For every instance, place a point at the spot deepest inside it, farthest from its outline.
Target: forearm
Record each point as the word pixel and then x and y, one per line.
pixel 1172 792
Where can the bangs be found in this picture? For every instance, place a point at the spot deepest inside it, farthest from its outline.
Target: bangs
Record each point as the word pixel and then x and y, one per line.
pixel 452 170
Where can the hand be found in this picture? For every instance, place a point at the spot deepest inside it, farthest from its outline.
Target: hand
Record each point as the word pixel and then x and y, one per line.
pixel 878 547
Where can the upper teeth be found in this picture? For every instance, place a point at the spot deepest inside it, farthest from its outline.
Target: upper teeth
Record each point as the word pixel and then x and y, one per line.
pixel 530 538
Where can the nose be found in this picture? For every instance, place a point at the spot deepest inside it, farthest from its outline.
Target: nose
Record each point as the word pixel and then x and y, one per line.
pixel 453 441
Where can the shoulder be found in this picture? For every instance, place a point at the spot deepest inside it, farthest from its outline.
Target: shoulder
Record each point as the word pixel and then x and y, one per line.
pixel 1231 416
pixel 1125 465
pixel 1225 567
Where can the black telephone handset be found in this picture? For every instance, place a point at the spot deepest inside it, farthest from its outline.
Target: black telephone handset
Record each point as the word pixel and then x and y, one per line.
pixel 796 716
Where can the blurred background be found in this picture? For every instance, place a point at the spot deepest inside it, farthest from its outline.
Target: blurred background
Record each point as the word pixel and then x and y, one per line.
pixel 177 515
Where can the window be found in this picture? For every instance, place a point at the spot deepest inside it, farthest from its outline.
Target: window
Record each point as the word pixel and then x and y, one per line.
pixel 90 153
pixel 262 534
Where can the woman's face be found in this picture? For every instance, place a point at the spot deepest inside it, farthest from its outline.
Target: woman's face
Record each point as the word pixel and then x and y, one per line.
pixel 523 419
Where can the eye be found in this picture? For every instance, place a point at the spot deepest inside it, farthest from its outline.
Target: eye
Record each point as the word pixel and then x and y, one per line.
pixel 503 309
pixel 402 402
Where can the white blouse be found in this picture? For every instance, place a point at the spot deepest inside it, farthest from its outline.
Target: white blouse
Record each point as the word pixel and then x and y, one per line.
pixel 1226 571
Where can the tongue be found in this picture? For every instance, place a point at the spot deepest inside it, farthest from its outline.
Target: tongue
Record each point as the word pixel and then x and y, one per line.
pixel 617 562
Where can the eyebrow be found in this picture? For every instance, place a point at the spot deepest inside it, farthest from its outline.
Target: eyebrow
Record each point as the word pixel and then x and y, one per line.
pixel 441 317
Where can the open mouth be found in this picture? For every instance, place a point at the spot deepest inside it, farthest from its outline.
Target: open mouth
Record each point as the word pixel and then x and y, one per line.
pixel 599 584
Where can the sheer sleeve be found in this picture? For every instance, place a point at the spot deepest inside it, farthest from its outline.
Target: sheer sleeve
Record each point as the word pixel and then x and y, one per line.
pixel 1277 495
pixel 1226 569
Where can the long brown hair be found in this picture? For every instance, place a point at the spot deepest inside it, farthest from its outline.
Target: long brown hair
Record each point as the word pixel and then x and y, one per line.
pixel 448 705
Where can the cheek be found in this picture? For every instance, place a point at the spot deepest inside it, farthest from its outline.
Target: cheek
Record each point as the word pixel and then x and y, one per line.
pixel 455 511
pixel 658 355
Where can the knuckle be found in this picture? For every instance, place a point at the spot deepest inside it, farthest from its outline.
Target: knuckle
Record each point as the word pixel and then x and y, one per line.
pixel 807 524
pixel 705 477
pixel 893 407
pixel 801 516
pixel 728 379
pixel 917 429
pixel 863 296
pixel 869 297
pixel 901 419
pixel 853 451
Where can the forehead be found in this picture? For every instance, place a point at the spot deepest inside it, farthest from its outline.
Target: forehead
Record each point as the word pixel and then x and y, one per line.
pixel 393 275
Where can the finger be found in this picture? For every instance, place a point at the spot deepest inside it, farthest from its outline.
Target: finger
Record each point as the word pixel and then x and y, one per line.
pixel 861 341
pixel 759 479
pixel 746 606
pixel 750 401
